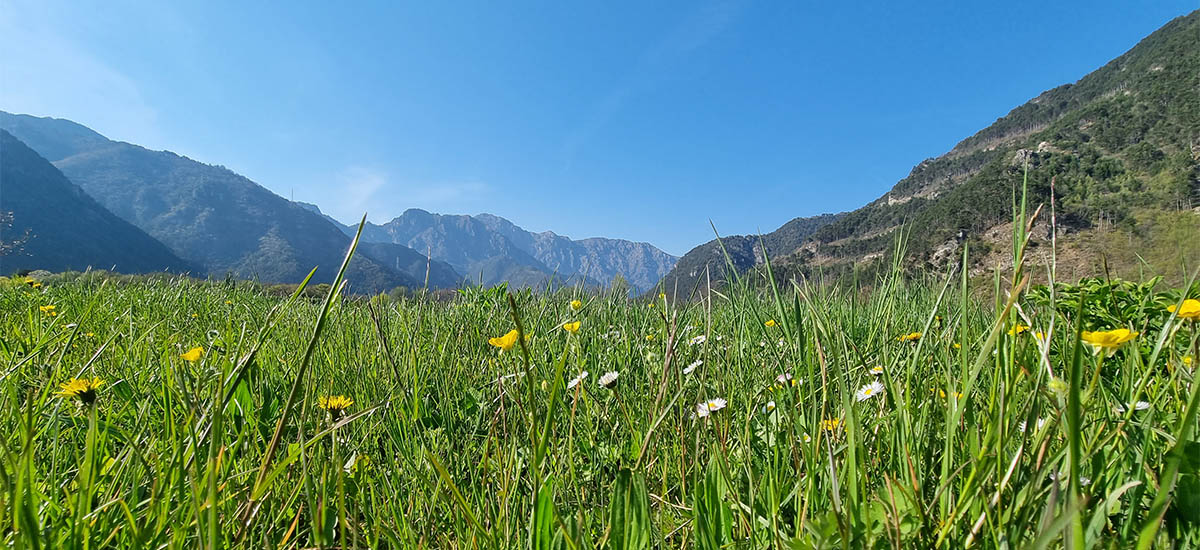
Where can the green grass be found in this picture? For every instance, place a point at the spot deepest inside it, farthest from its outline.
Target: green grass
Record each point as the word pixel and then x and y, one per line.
pixel 452 444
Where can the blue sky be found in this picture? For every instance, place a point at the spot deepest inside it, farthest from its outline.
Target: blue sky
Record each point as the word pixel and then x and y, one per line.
pixel 639 120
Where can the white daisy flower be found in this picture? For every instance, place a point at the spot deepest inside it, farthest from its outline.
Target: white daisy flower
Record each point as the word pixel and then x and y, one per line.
pixel 806 438
pixel 781 343
pixel 770 406
pixel 1139 406
pixel 706 408
pixel 692 367
pixel 719 337
pixel 609 379
pixel 698 340
pixel 868 391
pixel 877 370
pixel 575 381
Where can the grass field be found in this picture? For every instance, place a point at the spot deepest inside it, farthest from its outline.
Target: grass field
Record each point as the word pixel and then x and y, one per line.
pixel 906 413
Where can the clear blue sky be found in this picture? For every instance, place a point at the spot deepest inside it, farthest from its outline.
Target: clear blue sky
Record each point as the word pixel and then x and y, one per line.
pixel 639 120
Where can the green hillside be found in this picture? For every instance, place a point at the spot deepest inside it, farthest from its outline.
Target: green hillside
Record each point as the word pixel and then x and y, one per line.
pixel 51 224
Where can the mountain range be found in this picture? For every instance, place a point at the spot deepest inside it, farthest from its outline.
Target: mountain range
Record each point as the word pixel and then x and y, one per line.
pixel 1120 148
pixel 218 222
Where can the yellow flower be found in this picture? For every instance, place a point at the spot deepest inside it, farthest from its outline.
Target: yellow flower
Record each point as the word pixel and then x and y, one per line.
pixel 1189 310
pixel 576 304
pixel 831 424
pixel 571 327
pixel 195 315
pixel 33 283
pixel 1187 360
pixel 228 302
pixel 82 388
pixel 770 322
pixel 505 342
pixel 957 345
pixel 651 304
pixel 193 354
pixel 1041 336
pixel 334 404
pixel 48 310
pixel 1017 329
pixel 1108 339
pixel 910 337
pixel 662 295
pixel 649 337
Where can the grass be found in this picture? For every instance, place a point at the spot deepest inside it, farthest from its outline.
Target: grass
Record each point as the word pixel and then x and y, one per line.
pixel 984 434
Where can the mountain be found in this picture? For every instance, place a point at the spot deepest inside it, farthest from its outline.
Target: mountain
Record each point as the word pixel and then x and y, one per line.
pixel 492 249
pixel 1121 147
pixel 207 215
pixel 708 261
pixel 54 225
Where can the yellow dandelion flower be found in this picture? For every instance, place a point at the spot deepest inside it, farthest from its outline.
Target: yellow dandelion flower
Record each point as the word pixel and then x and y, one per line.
pixel 831 424
pixel 1018 329
pixel 1108 339
pixel 576 304
pixel 48 310
pixel 650 305
pixel 335 405
pixel 505 342
pixel 1189 310
pixel 571 327
pixel 83 389
pixel 910 337
pixel 193 355
pixel 770 322
pixel 649 337
pixel 957 345
pixel 228 302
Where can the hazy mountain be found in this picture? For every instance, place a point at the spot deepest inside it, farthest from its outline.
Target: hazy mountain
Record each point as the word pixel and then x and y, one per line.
pixel 53 225
pixel 1122 146
pixel 492 249
pixel 205 214
pixel 708 260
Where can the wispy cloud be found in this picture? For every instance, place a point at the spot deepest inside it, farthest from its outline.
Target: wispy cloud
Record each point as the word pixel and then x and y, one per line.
pixel 44 72
pixel 696 30
pixel 370 189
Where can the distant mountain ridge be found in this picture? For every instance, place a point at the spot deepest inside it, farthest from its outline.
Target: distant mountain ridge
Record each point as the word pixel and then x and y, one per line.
pixel 205 214
pixel 491 249
pixel 55 226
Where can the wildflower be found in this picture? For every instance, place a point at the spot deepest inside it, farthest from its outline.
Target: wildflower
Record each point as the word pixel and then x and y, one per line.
pixel 868 391
pixel 48 310
pixel 1041 336
pixel 1187 360
pixel 576 305
pixel 575 381
pixel 698 340
pixel 877 370
pixel 1139 406
pixel 1108 339
pixel 957 345
pixel 505 342
pixel 228 302
pixel 609 379
pixel 1189 310
pixel 83 389
pixel 1037 426
pixel 955 394
pixel 195 315
pixel 649 337
pixel 770 406
pixel 692 367
pixel 784 380
pixel 90 335
pixel 650 305
pixel 335 405
pixel 830 425
pixel 770 323
pixel 910 337
pixel 706 408
pixel 193 354
pixel 571 327
pixel 806 438
pixel 1018 329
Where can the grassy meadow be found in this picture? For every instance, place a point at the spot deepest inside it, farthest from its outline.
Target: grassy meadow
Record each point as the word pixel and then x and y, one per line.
pixel 906 412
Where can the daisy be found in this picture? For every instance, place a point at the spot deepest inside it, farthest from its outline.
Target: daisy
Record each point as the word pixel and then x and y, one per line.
pixel 698 340
pixel 868 391
pixel 575 381
pixel 877 370
pixel 706 408
pixel 770 406
pixel 1139 406
pixel 609 379
pixel 692 367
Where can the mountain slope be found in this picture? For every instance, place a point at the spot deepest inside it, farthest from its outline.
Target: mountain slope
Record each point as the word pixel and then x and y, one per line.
pixel 206 214
pixel 61 228
pixel 1119 145
pixel 708 261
